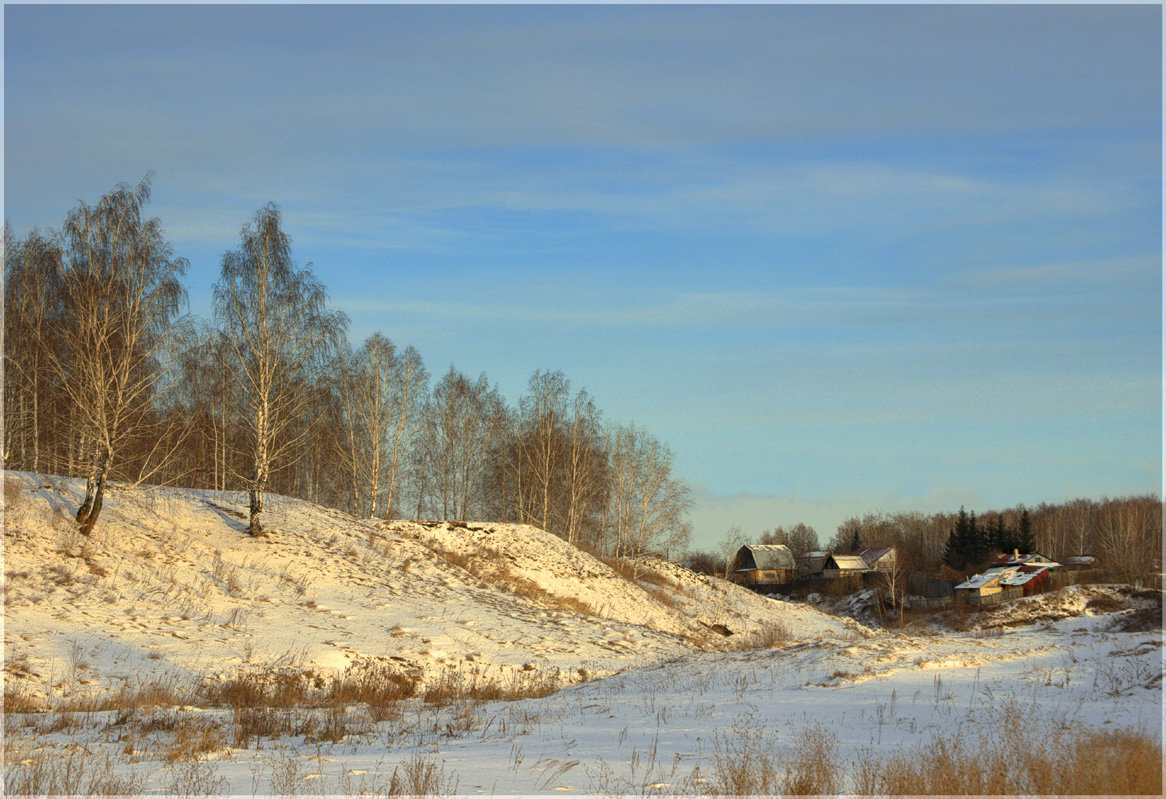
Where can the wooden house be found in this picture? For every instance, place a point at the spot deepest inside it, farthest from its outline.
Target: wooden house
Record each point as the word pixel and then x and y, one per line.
pixel 763 564
pixel 1026 580
pixel 981 589
pixel 880 558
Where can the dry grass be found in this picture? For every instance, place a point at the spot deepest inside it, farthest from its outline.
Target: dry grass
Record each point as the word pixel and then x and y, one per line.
pixel 261 688
pixel 765 637
pixel 17 699
pixel 620 566
pixel 12 492
pixel 158 693
pixel 378 686
pixel 491 566
pixel 745 764
pixel 1009 757
pixel 454 686
pixel 227 575
pixel 421 776
pixel 32 770
pixel 193 737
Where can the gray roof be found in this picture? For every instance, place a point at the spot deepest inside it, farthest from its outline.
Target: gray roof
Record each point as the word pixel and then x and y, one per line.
pixel 764 556
pixel 812 562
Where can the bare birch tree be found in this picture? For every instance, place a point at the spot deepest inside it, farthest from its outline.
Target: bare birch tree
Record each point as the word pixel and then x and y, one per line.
pixel 463 420
pixel 542 413
pixel 120 291
pixel 382 395
pixel 277 333
pixel 587 471
pixel 31 298
pixel 649 505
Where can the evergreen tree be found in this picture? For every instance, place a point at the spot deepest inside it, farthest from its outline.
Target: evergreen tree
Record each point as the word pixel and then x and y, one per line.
pixel 956 552
pixel 1025 540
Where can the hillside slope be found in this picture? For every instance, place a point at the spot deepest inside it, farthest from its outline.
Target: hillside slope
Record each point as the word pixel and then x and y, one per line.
pixel 171 588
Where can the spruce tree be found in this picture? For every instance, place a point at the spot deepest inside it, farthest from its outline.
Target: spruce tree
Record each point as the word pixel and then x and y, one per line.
pixel 1025 540
pixel 956 552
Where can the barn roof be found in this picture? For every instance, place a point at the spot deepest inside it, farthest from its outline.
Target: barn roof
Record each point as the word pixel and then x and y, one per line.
pixel 765 556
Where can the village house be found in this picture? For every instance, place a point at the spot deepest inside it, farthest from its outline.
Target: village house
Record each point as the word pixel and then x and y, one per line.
pixel 836 566
pixel 880 558
pixel 1024 580
pixel 763 564
pixel 1005 581
pixel 980 589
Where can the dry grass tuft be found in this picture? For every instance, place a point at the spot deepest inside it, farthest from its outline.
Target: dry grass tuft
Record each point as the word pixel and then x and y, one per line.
pixel 421 776
pixel 260 688
pixel 192 737
pixel 454 686
pixel 766 637
pixel 18 700
pixel 378 686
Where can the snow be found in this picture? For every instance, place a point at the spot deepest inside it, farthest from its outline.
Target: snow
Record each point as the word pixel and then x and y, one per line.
pixel 171 587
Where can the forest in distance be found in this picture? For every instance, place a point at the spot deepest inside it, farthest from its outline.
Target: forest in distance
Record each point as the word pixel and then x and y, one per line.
pixel 106 379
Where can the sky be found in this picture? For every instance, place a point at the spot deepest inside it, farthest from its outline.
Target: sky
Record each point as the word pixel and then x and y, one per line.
pixel 841 259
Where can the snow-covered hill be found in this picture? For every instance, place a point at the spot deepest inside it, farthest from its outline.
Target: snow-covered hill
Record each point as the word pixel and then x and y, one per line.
pixel 171 588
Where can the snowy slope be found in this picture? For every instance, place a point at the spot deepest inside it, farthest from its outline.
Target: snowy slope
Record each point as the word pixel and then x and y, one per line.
pixel 171 587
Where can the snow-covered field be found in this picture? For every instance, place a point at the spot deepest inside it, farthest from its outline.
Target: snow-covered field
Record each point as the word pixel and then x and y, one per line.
pixel 171 591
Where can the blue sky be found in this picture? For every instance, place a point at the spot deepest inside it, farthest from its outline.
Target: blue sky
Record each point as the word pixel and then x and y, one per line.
pixel 841 258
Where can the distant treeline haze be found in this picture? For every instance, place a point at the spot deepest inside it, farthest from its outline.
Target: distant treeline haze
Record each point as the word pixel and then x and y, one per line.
pixel 105 380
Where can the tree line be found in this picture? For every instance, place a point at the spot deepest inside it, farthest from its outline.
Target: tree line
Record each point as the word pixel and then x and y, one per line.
pixel 1123 533
pixel 106 380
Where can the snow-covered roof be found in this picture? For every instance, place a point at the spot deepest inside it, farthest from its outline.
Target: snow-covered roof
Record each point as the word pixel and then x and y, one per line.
pixel 1020 577
pixel 765 556
pixel 1080 560
pixel 979 581
pixel 850 562
pixel 1016 559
